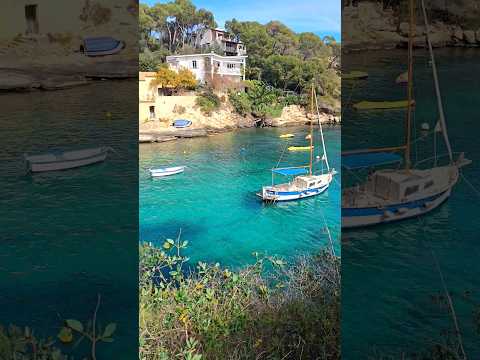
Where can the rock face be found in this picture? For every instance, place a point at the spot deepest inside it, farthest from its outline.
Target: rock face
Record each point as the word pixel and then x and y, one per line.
pixel 295 115
pixel 368 26
pixel 16 81
pixel 469 36
pixel 222 120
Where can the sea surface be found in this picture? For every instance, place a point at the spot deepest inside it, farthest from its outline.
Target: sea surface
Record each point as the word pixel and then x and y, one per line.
pixel 70 235
pixel 214 204
pixel 390 278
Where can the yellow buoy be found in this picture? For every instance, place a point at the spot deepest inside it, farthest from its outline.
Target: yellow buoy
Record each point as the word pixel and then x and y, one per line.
pixel 300 148
pixel 287 135
pixel 65 335
pixel 382 105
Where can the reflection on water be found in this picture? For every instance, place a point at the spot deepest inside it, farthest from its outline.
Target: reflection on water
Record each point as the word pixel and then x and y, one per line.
pixel 69 235
pixel 214 201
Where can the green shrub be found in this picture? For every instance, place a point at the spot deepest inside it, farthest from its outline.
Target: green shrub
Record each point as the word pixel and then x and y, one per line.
pixel 267 310
pixel 20 343
pixel 208 101
pixel 240 102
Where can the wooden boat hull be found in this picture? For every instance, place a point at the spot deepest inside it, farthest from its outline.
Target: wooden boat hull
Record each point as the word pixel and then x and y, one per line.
pixel 362 217
pixel 63 163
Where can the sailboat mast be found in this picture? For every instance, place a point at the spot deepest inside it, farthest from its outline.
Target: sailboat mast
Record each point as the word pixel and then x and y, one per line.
pixel 408 125
pixel 437 86
pixel 311 129
pixel 325 157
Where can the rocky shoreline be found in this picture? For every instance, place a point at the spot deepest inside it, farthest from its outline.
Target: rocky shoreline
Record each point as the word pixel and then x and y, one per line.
pixel 292 115
pixel 367 26
pixel 25 79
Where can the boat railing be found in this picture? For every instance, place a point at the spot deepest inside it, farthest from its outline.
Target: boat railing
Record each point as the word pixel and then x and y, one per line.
pixel 434 158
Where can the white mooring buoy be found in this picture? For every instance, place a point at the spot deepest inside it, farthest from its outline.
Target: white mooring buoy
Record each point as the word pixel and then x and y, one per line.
pixel 425 126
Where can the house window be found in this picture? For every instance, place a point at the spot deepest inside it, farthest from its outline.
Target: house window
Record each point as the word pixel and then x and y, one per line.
pixel 428 184
pixel 32 19
pixel 152 112
pixel 411 189
pixel 194 64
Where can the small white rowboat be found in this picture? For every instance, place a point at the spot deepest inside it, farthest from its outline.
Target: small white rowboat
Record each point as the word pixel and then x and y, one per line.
pixel 166 171
pixel 62 160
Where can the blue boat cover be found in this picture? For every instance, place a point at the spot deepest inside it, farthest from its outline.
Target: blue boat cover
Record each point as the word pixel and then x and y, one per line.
pixel 294 171
pixel 182 123
pixel 100 44
pixel 360 161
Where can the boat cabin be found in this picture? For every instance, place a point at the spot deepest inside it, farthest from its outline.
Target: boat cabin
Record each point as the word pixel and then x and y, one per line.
pixel 307 182
pixel 395 185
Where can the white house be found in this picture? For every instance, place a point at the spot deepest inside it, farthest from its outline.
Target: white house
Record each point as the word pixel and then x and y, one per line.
pixel 212 69
pixel 231 45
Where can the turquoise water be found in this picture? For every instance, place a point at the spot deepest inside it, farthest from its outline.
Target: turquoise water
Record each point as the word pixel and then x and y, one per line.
pixel 66 236
pixel 389 275
pixel 214 203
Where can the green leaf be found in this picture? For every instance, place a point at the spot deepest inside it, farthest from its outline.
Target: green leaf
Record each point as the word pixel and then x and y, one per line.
pixel 167 245
pixel 109 330
pixel 74 324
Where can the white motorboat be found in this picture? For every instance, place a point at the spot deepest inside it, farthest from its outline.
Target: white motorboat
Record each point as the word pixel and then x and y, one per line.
pixel 166 171
pixel 62 160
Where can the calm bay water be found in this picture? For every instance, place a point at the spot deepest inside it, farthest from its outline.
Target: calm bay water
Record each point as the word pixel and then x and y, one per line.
pixel 67 236
pixel 214 203
pixel 389 276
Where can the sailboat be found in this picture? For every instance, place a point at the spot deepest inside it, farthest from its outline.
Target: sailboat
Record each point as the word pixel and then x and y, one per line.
pixel 404 192
pixel 304 183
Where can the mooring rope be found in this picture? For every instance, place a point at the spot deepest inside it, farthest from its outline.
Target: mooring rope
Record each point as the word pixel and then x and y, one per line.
pixel 475 190
pixel 447 294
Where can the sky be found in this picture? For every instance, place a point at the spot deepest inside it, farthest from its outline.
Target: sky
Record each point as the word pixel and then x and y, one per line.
pixel 319 16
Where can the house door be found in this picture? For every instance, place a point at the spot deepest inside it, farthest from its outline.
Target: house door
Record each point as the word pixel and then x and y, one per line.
pixel 31 16
pixel 152 112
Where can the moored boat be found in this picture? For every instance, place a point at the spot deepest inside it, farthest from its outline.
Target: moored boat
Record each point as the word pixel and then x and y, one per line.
pixel 355 75
pixel 304 183
pixel 181 123
pixel 382 105
pixel 62 160
pixel 402 192
pixel 300 148
pixel 161 172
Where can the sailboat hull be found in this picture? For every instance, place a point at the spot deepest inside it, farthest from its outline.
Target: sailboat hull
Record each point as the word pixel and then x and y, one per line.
pixel 292 195
pixel 289 192
pixel 361 217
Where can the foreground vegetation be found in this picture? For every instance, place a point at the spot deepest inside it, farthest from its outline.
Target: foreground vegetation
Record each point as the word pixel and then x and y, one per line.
pixel 268 310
